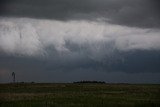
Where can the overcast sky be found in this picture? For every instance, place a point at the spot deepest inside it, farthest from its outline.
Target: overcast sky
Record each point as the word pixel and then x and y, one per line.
pixel 71 40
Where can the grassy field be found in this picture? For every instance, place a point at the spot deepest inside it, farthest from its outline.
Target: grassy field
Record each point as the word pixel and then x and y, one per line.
pixel 79 95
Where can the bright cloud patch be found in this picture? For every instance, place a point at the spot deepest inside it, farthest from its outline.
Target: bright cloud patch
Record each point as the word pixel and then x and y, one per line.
pixel 31 37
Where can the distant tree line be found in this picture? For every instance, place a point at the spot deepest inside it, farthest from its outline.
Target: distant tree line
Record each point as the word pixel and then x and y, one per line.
pixel 98 82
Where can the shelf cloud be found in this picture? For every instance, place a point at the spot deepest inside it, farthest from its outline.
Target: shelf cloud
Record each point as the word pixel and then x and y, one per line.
pixel 25 36
pixel 68 39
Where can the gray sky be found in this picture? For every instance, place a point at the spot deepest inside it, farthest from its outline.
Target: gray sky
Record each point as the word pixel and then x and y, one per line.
pixel 73 40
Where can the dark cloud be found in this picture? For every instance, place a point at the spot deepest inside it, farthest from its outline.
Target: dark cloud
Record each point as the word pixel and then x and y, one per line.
pixel 134 63
pixel 141 13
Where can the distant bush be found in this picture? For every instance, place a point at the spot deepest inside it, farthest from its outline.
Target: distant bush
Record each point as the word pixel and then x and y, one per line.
pixel 98 82
pixel 25 82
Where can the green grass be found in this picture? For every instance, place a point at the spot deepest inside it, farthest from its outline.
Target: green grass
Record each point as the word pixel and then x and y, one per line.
pixel 79 95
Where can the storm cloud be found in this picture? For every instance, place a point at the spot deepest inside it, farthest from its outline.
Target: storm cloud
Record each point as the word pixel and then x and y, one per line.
pixel 140 13
pixel 26 36
pixel 68 40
